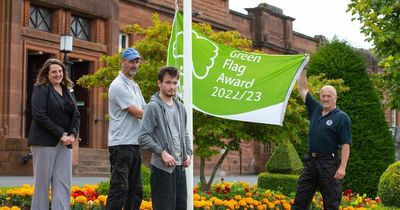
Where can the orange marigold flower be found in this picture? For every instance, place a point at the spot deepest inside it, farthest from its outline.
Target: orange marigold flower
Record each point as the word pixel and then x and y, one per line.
pixel 196 197
pixel 261 207
pixel 81 199
pixel 286 206
pixel 238 197
pixel 197 204
pixel 271 205
pixel 242 203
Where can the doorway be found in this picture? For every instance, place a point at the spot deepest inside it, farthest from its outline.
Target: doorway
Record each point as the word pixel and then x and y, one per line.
pixel 35 62
pixel 82 95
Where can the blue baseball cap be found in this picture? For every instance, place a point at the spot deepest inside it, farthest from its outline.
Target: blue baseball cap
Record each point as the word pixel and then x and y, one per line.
pixel 130 54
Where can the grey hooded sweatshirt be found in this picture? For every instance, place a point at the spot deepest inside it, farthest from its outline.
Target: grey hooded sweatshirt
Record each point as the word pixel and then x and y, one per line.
pixel 156 136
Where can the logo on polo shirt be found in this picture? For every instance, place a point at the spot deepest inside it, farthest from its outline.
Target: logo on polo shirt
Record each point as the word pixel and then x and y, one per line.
pixel 329 122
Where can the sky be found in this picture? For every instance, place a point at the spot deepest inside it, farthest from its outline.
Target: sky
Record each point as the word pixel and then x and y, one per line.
pixel 315 17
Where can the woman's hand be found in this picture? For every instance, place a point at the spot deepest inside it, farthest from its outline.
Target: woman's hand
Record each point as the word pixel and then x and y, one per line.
pixel 72 138
pixel 66 140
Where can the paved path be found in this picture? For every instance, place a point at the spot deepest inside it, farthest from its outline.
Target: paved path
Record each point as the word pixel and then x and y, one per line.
pixel 14 181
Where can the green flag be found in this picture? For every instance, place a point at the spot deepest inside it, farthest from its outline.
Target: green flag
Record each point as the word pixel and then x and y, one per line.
pixel 235 84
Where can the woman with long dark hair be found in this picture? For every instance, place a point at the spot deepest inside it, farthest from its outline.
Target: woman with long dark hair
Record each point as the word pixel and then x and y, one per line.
pixel 55 125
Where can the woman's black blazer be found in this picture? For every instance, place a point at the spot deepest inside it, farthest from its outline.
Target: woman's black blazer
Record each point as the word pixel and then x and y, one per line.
pixel 46 109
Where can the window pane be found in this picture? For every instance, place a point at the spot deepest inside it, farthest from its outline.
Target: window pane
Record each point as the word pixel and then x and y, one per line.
pixel 40 18
pixel 80 27
pixel 123 41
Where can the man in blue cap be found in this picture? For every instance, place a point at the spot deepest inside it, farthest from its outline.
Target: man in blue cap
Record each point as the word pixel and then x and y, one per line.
pixel 125 108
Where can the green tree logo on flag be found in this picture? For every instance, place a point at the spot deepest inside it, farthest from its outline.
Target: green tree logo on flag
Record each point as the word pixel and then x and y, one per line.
pixel 235 84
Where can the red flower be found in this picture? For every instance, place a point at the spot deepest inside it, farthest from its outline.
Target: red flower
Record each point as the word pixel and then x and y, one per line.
pixel 378 199
pixel 348 192
pixel 77 193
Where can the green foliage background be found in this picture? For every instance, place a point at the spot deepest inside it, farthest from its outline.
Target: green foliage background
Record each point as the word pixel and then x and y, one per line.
pixel 285 183
pixel 373 147
pixel 284 160
pixel 380 24
pixel 389 185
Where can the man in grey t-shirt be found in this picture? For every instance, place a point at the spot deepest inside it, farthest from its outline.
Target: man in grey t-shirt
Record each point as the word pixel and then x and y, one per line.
pixel 125 108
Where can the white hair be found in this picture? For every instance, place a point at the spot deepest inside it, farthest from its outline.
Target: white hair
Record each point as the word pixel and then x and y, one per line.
pixel 329 88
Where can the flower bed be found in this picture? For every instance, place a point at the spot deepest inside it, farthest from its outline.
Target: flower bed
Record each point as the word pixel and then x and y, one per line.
pixel 221 196
pixel 82 198
pixel 240 195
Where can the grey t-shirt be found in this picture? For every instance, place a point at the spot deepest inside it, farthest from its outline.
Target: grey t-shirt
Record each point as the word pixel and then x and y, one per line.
pixel 123 127
pixel 174 125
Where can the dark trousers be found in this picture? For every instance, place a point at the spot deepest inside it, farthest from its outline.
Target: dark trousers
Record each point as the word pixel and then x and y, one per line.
pixel 168 191
pixel 318 173
pixel 126 188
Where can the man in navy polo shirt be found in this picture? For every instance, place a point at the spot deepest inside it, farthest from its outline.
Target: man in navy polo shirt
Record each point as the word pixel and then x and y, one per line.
pixel 330 129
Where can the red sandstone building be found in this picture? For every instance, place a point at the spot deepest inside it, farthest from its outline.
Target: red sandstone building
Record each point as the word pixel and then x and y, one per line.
pixel 30 33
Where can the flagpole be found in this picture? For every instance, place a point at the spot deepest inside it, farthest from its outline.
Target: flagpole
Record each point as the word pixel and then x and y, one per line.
pixel 187 89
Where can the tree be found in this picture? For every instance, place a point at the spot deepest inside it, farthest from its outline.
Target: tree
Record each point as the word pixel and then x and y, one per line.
pixel 153 49
pixel 372 143
pixel 380 23
pixel 211 135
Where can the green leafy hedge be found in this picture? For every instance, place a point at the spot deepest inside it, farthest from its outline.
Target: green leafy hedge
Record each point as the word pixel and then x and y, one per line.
pixel 284 183
pixel 372 150
pixel 284 160
pixel 389 185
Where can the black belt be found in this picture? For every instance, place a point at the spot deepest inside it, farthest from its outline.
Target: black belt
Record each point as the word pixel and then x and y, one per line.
pixel 323 155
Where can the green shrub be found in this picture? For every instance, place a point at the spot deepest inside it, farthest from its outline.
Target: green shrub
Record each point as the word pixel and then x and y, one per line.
pixel 385 208
pixel 284 160
pixel 104 187
pixel 146 175
pixel 373 146
pixel 284 183
pixel 389 185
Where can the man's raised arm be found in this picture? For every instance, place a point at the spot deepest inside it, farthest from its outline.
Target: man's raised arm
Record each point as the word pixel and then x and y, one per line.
pixel 303 86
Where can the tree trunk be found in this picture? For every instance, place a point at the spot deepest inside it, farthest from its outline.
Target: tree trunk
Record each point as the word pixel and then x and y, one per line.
pixel 203 180
pixel 220 161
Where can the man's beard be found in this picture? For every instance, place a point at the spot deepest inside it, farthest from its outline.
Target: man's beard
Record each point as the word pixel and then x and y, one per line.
pixel 169 94
pixel 132 72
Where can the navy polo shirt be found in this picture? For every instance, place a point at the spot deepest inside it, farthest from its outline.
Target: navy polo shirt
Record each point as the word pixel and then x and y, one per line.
pixel 327 133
